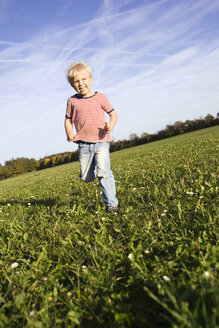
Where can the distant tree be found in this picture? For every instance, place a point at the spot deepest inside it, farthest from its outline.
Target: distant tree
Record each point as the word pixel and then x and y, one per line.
pixel 209 120
pixel 47 162
pixel 216 121
pixel 161 134
pixel 74 156
pixel 144 135
pixel 133 140
pixel 133 136
pixel 6 172
pixel 22 165
pixel 179 127
pixel 53 160
pixel 118 145
pixel 59 159
pixel 16 165
pixel 31 165
pixel 190 125
pixel 66 158
pixel 169 130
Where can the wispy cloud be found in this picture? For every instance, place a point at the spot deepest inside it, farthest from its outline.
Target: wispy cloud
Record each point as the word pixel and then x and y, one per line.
pixel 67 4
pixel 5 13
pixel 159 59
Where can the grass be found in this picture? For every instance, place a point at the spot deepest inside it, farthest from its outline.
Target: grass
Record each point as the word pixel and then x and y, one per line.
pixel 152 264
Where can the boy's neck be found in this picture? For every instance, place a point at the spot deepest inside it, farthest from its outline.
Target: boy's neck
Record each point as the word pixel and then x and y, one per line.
pixel 89 94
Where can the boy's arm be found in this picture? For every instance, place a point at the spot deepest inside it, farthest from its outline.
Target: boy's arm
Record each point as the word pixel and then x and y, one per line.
pixel 113 120
pixel 69 130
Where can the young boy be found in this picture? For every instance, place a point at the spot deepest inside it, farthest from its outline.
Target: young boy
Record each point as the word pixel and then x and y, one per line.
pixel 85 110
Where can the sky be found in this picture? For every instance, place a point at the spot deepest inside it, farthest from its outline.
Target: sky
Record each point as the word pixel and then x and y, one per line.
pixel 156 60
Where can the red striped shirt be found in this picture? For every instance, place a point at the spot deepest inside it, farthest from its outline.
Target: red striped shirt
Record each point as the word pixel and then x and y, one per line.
pixel 88 116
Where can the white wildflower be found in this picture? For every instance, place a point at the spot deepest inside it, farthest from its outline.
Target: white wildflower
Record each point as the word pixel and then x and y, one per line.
pixel 166 278
pixel 207 274
pixel 130 256
pixel 32 313
pixel 14 265
pixel 190 193
pixel 103 219
pixel 45 279
pixel 84 268
pixel 163 214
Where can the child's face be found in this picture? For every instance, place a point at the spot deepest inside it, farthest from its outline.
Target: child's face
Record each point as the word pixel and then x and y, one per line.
pixel 82 83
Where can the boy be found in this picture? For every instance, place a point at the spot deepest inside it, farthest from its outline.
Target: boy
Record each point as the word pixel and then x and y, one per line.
pixel 85 110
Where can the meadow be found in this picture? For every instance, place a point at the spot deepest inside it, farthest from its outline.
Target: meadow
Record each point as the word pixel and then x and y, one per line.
pixel 65 262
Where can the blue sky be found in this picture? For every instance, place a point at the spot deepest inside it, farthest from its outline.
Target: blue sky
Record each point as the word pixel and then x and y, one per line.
pixel 157 61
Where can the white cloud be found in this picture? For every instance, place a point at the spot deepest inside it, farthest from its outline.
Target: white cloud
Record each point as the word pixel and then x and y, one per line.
pixel 5 6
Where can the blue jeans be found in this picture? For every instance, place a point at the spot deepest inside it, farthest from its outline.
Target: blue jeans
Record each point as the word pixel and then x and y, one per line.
pixel 94 161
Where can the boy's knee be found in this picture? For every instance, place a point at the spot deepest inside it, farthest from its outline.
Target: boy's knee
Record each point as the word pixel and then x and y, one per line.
pixel 103 173
pixel 87 178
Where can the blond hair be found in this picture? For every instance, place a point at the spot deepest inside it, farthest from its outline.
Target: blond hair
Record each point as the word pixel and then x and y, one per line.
pixel 74 68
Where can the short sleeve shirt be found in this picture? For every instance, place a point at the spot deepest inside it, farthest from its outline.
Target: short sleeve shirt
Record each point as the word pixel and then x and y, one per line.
pixel 88 116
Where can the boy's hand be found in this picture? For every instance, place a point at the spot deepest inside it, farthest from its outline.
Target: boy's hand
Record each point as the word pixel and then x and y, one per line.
pixel 70 138
pixel 113 119
pixel 109 126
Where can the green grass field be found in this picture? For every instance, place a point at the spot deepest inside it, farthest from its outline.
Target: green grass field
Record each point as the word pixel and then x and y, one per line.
pixel 65 262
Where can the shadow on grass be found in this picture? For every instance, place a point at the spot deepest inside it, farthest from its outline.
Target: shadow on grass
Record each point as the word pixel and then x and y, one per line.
pixel 50 202
pixel 132 307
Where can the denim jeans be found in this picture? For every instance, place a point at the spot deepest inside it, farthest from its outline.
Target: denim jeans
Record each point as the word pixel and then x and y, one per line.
pixel 95 162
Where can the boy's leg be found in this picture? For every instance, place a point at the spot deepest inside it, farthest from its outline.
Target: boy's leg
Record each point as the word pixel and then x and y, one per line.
pixel 87 163
pixel 105 175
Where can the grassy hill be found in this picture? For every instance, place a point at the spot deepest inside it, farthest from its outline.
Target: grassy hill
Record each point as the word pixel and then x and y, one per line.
pixel 65 262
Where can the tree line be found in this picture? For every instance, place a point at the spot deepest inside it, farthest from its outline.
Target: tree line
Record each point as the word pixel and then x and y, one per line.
pixel 23 165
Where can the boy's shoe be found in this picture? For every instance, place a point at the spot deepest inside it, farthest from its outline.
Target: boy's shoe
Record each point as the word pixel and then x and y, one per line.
pixel 112 209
